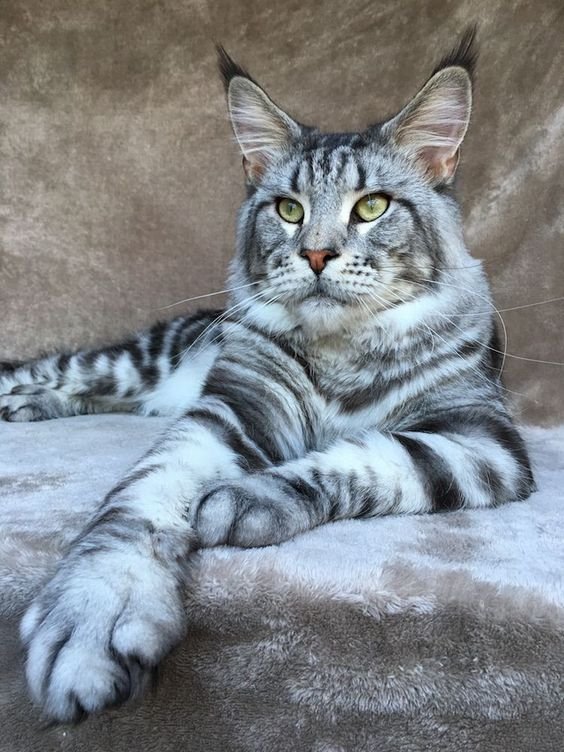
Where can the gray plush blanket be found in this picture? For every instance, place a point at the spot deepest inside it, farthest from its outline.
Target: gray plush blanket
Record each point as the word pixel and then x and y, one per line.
pixel 440 632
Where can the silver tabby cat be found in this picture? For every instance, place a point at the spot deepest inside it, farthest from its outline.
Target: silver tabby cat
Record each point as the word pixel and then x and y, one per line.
pixel 355 373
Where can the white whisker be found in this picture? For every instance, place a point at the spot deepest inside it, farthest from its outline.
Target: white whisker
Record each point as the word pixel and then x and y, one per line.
pixel 205 295
pixel 219 319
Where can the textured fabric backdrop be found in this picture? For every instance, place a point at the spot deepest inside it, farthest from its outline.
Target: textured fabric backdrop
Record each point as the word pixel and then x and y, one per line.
pixel 119 180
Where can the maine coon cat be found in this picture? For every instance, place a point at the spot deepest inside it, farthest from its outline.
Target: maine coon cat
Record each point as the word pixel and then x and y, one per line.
pixel 355 373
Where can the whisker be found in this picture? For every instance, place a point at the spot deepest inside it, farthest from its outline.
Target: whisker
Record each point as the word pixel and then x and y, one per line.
pixel 505 353
pixel 519 307
pixel 434 333
pixel 219 319
pixel 537 303
pixel 463 288
pixel 243 318
pixel 471 266
pixel 205 295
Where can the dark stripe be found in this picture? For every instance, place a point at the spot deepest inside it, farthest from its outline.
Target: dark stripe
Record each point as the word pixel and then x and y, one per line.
pixel 286 348
pixel 508 436
pixel 9 366
pixel 475 420
pixel 294 179
pixel 468 348
pixel 325 160
pixel 309 163
pixel 135 353
pixel 270 371
pixel 367 502
pixel 250 247
pixel 362 499
pixel 115 523
pixel 132 478
pixel 249 457
pixel 440 484
pixel 342 165
pixel 260 205
pixel 380 389
pixel 305 493
pixel 495 354
pixel 334 510
pixel 252 406
pixel 302 488
pixel 427 234
pixel 156 338
pixel 62 365
pixel 192 328
pixel 148 373
pixel 361 182
pixel 100 386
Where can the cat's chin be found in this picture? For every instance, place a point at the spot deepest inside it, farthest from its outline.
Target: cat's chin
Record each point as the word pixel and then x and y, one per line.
pixel 314 315
pixel 319 315
pixel 318 301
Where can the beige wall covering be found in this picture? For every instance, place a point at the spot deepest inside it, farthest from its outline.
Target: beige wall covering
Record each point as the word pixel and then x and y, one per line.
pixel 119 180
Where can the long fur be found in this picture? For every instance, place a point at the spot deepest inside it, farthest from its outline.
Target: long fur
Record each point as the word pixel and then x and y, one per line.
pixel 367 387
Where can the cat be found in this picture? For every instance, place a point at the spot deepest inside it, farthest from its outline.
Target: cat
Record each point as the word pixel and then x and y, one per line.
pixel 355 373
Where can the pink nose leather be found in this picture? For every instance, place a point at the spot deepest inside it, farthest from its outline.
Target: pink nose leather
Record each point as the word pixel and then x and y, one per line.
pixel 318 259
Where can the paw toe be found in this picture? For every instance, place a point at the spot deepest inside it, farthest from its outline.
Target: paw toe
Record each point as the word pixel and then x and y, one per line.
pixel 240 515
pixel 29 622
pixel 256 526
pixel 84 681
pixel 215 515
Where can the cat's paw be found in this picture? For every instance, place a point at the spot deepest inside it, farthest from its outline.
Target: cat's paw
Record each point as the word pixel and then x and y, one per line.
pixel 257 510
pixel 29 402
pixel 96 632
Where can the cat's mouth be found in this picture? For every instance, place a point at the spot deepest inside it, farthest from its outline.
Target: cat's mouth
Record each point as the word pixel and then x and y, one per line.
pixel 322 292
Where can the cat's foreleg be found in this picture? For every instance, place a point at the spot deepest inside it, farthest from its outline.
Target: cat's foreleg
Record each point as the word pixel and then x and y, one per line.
pixel 115 606
pixel 462 460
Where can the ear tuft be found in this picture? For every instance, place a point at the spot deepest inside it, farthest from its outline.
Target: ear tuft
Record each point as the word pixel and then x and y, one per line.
pixel 464 55
pixel 228 68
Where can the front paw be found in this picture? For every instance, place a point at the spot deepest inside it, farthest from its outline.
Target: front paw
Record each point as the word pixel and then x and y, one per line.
pixel 30 402
pixel 96 632
pixel 252 511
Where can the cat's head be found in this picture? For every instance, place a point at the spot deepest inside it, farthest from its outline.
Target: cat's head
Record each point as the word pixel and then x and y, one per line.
pixel 363 221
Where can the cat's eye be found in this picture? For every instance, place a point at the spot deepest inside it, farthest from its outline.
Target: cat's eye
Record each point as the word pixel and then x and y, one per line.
pixel 290 210
pixel 370 207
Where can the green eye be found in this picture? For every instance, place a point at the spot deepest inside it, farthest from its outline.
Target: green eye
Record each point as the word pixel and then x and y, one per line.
pixel 370 207
pixel 290 210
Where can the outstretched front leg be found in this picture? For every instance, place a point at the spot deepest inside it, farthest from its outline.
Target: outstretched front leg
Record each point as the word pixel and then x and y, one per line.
pixel 465 458
pixel 115 605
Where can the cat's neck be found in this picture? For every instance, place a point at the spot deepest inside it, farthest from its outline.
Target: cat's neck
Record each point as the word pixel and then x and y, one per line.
pixel 331 331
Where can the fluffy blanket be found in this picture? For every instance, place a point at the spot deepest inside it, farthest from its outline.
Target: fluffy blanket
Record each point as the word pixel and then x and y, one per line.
pixel 440 632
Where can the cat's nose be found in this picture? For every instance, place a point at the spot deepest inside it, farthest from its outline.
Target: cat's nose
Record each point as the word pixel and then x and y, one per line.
pixel 318 258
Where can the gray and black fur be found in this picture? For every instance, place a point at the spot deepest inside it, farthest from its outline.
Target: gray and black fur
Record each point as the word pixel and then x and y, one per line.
pixel 355 373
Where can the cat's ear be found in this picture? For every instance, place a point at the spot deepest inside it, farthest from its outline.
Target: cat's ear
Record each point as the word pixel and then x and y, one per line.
pixel 430 129
pixel 261 128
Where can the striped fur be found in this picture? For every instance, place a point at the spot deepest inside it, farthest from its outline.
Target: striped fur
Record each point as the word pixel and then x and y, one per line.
pixel 369 387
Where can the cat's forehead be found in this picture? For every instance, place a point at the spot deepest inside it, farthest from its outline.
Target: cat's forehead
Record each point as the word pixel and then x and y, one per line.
pixel 326 165
pixel 339 162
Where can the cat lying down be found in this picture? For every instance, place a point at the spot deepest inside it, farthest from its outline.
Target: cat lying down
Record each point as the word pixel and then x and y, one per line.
pixel 355 373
